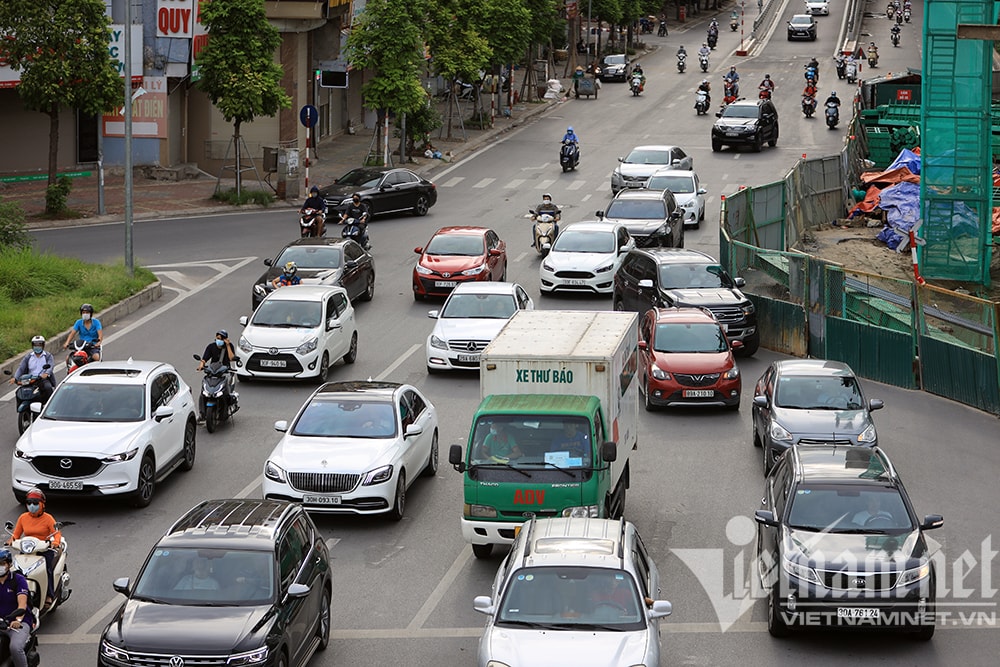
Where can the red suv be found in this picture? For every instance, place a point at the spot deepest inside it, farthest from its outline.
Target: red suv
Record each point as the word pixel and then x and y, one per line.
pixel 457 255
pixel 686 359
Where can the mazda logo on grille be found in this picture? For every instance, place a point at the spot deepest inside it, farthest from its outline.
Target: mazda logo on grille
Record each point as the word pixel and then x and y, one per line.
pixel 65 464
pixel 471 347
pixel 176 661
pixel 272 350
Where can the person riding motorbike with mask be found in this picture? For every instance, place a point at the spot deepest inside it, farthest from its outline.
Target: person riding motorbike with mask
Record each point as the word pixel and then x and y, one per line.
pixel 220 349
pixel 359 211
pixel 637 72
pixel 570 137
pixel 767 84
pixel 88 329
pixel 14 596
pixel 314 201
pixel 832 100
pixel 547 206
pixel 704 50
pixel 706 88
pixel 287 276
pixel 34 364
pixel 732 77
pixel 41 525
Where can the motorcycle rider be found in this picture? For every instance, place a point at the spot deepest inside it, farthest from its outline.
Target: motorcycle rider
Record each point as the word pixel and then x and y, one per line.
pixel 706 88
pixel 571 138
pixel 637 71
pixel 33 364
pixel 41 525
pixel 88 329
pixel 810 90
pixel 220 349
pixel 547 206
pixel 895 34
pixel 287 276
pixel 767 84
pixel 873 52
pixel 316 202
pixel 359 211
pixel 13 596
pixel 833 100
pixel 733 77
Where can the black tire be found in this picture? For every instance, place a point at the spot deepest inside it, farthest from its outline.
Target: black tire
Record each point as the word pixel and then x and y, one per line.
pixel 775 622
pixel 422 206
pixel 190 445
pixel 399 498
pixel 324 368
pixel 418 296
pixel 211 418
pixel 926 632
pixel 758 144
pixel 323 626
pixel 716 146
pixel 352 353
pixel 482 550
pixel 23 421
pixel 565 168
pixel 432 460
pixel 146 483
pixel 282 662
pixel 750 346
pixel 773 142
pixel 618 306
pixel 369 292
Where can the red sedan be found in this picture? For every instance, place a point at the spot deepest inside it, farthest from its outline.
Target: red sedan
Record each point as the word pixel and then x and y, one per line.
pixel 456 255
pixel 687 360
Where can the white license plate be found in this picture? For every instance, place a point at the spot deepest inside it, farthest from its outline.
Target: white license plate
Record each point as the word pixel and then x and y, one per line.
pixel 576 282
pixel 698 393
pixel 445 283
pixel 272 363
pixel 65 485
pixel 857 612
pixel 321 500
pixel 732 134
pixel 468 357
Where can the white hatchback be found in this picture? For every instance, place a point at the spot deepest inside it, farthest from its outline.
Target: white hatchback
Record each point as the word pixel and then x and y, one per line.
pixel 584 258
pixel 818 7
pixel 471 317
pixel 688 193
pixel 298 332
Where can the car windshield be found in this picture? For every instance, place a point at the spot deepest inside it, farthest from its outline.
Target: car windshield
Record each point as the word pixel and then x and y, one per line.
pixel 485 306
pixel 690 276
pixel 572 598
pixel 98 402
pixel 533 442
pixel 818 392
pixel 676 184
pixel 207 577
pixel 360 178
pixel 801 21
pixel 337 417
pixel 614 60
pixel 740 111
pixel 310 257
pixel 648 156
pixel 841 508
pixel 679 337
pixel 590 241
pixel 456 244
pixel 290 314
pixel 637 209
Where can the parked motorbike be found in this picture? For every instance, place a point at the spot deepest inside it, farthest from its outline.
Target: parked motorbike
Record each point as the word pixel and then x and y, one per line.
pixel 354 230
pixel 30 649
pixel 713 37
pixel 841 67
pixel 27 393
pixel 310 223
pixel 832 115
pixel 79 356
pixel 852 72
pixel 890 10
pixel 894 35
pixel 635 84
pixel 219 399
pixel 703 62
pixel 544 224
pixel 702 102
pixel 569 156
pixel 681 62
pixel 808 105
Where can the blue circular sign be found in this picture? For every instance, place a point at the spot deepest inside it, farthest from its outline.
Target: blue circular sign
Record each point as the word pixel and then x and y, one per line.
pixel 309 115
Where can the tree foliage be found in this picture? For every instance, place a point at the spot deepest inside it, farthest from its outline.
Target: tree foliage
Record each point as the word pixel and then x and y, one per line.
pixel 60 48
pixel 507 26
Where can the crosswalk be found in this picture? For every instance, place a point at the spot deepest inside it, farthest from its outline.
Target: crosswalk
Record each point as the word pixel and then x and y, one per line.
pixel 599 185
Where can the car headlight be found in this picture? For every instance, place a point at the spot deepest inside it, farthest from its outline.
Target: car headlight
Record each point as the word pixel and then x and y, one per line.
pixel 120 458
pixel 662 230
pixel 20 454
pixel 438 343
pixel 868 435
pixel 422 270
pixel 248 658
pixel 274 472
pixel 245 345
pixel 377 476
pixel 583 512
pixel 779 432
pixel 659 373
pixel 749 309
pixel 260 290
pixel 474 271
pixel 480 511
pixel 800 571
pixel 605 268
pixel 914 575
pixel 547 267
pixel 731 374
pixel 307 346
pixel 496 663
pixel 114 653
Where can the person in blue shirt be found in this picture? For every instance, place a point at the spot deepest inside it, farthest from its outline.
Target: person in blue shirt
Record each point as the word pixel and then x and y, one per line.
pixel 570 137
pixel 88 329
pixel 287 276
pixel 572 440
pixel 34 364
pixel 14 597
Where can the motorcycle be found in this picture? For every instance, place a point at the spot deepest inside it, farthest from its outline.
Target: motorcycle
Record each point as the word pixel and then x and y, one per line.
pixel 703 62
pixel 734 24
pixel 29 560
pixel 765 93
pixel 544 230
pixel 841 67
pixel 80 356
pixel 894 36
pixel 729 93
pixel 713 37
pixel 354 230
pixel 702 102
pixel 30 648
pixel 812 72
pixel 906 15
pixel 310 223
pixel 569 156
pixel 635 84
pixel 681 62
pixel 890 10
pixel 218 399
pixel 832 115
pixel 662 32
pixel 27 393
pixel 852 72
pixel 872 58
pixel 808 106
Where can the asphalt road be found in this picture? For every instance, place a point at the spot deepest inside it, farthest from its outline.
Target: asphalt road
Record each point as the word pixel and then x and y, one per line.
pixel 403 591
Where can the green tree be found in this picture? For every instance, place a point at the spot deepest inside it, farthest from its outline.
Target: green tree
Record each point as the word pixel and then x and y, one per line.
pixel 459 50
pixel 60 48
pixel 238 72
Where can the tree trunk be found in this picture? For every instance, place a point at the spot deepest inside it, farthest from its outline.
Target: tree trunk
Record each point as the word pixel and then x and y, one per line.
pixel 53 144
pixel 236 148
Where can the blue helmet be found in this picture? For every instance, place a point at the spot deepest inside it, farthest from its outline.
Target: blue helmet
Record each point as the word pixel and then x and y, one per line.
pixel 569 129
pixel 6 556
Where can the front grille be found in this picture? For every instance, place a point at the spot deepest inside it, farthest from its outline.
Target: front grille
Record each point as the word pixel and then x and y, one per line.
pixel 575 275
pixel 163 660
pixel 292 364
pixel 820 441
pixel 728 314
pixel 704 380
pixel 67 467
pixel 323 482
pixel 858 581
pixel 467 345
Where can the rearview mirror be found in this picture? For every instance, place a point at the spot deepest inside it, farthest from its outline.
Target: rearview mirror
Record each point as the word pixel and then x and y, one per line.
pixel 244 320
pixel 281 426
pixel 433 314
pixel 739 282
pixel 932 521
pixel 646 283
pixel 875 404
pixel 267 262
pixel 600 214
pixel 609 452
pixel 413 430
pixel 455 457
pixel 765 518
pixel 163 412
pixel 760 401
pixel 483 604
pixel 122 585
pixel 419 250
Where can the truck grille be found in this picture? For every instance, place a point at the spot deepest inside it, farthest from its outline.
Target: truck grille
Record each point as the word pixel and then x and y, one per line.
pixel 67 467
pixel 728 314
pixel 704 380
pixel 323 482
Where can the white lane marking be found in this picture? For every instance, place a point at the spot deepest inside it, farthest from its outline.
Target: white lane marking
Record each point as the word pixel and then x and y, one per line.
pixel 514 184
pixel 219 263
pixel 586 197
pixel 453 181
pixel 332 542
pixel 399 360
pixel 576 185
pixel 520 257
pixel 545 184
pixel 484 183
pixel 180 278
pixel 544 165
pixel 439 591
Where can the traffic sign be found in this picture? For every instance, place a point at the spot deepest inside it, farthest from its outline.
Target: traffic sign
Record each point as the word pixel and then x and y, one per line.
pixel 309 115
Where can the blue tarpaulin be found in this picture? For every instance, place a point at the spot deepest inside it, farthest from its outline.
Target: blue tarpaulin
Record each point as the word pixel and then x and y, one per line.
pixel 901 203
pixel 908 159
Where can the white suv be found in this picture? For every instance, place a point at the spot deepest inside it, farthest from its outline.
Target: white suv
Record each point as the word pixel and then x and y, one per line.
pixel 298 332
pixel 110 428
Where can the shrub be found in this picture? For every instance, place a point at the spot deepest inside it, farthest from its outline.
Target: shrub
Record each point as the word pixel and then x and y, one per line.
pixel 258 197
pixel 57 194
pixel 13 232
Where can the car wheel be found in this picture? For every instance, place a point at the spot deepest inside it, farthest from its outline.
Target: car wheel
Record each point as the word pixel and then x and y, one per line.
pixel 926 632
pixel 282 662
pixel 482 550
pixel 399 498
pixel 646 400
pixel 432 459
pixel 323 627
pixel 352 354
pixel 190 432
pixel 422 206
pixel 369 292
pixel 774 142
pixel 324 368
pixel 750 346
pixel 775 622
pixel 758 144
pixel 23 421
pixel 618 305
pixel 146 484
pixel 716 146
pixel 417 296
pixel 735 407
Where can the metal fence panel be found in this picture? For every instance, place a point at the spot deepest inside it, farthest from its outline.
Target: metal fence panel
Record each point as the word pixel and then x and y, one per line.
pixel 959 373
pixel 873 352
pixel 782 325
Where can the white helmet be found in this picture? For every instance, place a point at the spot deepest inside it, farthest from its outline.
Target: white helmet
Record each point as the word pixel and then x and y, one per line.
pixel 38 340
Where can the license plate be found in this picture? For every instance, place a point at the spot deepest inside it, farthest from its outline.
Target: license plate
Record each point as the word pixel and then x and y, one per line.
pixel 732 134
pixel 468 357
pixel 321 500
pixel 857 612
pixel 576 282
pixel 65 485
pixel 272 363
pixel 445 283
pixel 698 393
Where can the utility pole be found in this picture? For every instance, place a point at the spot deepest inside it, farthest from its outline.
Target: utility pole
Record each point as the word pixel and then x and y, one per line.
pixel 129 259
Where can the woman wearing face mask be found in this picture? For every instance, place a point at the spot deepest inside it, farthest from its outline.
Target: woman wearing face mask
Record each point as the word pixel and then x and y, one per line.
pixel 88 329
pixel 38 523
pixel 220 349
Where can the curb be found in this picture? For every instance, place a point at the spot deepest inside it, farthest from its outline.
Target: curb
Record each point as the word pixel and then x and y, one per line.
pixel 108 316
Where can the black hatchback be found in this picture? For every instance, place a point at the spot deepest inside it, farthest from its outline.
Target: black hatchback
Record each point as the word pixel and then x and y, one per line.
pixel 233 582
pixel 746 123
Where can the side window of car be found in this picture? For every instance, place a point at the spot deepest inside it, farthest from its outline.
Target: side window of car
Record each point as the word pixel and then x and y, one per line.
pixel 156 391
pixel 405 177
pixel 522 298
pixel 331 307
pixel 780 490
pixel 491 240
pixel 352 250
pixel 622 237
pixel 646 269
pixel 642 568
pixel 340 301
pixel 291 550
pixel 628 267
pixel 171 386
pixel 407 414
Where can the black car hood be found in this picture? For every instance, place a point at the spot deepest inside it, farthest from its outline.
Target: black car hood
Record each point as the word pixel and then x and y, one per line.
pixel 822 423
pixel 151 627
pixel 706 296
pixel 834 551
pixel 735 122
pixel 639 227
pixel 325 275
pixel 341 192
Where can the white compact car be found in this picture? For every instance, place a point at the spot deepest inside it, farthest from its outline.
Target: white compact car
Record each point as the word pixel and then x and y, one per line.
pixel 818 7
pixel 471 317
pixel 298 332
pixel 688 193
pixel 354 448
pixel 642 161
pixel 584 258
pixel 110 428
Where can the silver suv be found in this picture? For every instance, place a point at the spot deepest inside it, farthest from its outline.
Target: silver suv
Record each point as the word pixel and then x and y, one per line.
pixel 567 576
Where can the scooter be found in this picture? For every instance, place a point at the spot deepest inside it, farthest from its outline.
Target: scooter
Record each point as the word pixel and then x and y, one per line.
pixel 734 24
pixel 30 649
pixel 662 32
pixel 681 62
pixel 841 67
pixel 80 356
pixel 26 394
pixel 544 230
pixel 355 231
pixel 852 72
pixel 765 93
pixel 703 62
pixel 832 115
pixel 894 35
pixel 635 85
pixel 713 37
pixel 29 559
pixel 310 223
pixel 906 14
pixel 890 10
pixel 569 156
pixel 219 400
pixel 872 58
pixel 808 106
pixel 812 73
pixel 702 102
pixel 729 93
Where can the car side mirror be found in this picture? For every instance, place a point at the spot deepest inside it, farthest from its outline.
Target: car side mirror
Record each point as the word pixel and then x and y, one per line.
pixel 163 412
pixel 483 604
pixel 419 250
pixel 350 264
pixel 875 404
pixel 932 521
pixel 623 249
pixel 495 252
pixel 765 518
pixel 643 345
pixel 646 283
pixel 433 314
pixel 621 159
pixel 455 457
pixel 413 430
pixel 702 191
pixel 244 320
pixel 36 408
pixel 332 324
pixel 122 586
pixel 268 261
pixel 600 215
pixel 660 609
pixel 281 426
pixel 760 401
pixel 609 452
pixel 297 591
pixel 739 282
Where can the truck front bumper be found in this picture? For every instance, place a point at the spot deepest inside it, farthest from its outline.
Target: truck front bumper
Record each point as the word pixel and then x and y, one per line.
pixel 489 532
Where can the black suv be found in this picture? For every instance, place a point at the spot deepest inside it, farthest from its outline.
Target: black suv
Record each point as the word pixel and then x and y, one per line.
pixel 233 582
pixel 666 278
pixel 650 216
pixel 746 123
pixel 838 544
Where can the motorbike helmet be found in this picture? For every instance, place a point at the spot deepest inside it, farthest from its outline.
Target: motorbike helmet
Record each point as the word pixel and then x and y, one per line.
pixel 569 130
pixel 35 494
pixel 313 189
pixel 38 340
pixel 546 196
pixel 6 556
pixel 704 82
pixel 290 268
pixel 223 333
pixel 87 308
pixel 833 93
pixel 767 76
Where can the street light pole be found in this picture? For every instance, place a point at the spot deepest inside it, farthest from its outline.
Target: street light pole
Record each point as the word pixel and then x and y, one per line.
pixel 129 260
pixel 590 5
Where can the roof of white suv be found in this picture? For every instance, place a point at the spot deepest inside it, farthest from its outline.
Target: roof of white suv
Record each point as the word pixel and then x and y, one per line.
pixel 116 372
pixel 305 293
pixel 575 541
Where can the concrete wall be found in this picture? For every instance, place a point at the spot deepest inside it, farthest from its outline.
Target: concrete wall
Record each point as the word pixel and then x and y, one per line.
pixel 25 137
